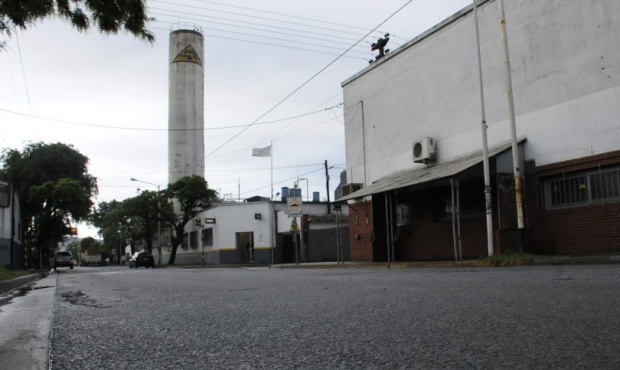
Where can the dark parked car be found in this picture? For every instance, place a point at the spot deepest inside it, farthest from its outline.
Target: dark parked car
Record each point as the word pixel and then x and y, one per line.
pixel 63 259
pixel 141 259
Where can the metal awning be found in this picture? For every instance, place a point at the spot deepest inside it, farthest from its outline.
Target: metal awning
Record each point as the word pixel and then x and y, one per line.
pixel 410 177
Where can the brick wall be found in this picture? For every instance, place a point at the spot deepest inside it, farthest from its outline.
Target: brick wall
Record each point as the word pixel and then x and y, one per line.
pixel 584 229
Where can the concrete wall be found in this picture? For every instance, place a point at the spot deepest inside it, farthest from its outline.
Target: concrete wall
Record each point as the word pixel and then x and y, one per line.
pixel 186 105
pixel 565 64
pixel 10 221
pixel 566 81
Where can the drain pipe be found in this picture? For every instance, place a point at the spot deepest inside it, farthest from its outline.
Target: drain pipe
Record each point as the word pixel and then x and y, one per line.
pixel 453 218
pixel 387 226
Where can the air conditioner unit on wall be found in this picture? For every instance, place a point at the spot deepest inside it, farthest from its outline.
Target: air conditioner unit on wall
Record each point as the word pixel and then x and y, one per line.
pixel 424 150
pixel 350 188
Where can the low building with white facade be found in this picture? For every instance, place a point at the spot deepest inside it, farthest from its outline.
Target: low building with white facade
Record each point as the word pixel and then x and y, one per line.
pixel 565 66
pixel 245 233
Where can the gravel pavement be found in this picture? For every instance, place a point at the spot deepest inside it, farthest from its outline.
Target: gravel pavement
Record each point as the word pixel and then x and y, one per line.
pixel 551 317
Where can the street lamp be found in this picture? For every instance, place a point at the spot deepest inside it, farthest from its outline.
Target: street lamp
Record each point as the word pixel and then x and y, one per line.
pixel 158 217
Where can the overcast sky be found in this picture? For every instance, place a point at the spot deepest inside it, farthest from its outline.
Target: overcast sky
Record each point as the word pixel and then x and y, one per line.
pixel 108 95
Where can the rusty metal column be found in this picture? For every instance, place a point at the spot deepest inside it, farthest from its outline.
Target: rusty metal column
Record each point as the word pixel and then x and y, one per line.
pixel 513 127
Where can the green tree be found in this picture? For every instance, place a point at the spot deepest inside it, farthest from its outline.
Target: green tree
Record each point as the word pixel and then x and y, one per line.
pixel 74 248
pixel 89 243
pixel 55 189
pixel 115 226
pixel 190 195
pixel 109 16
pixel 144 211
pixel 104 219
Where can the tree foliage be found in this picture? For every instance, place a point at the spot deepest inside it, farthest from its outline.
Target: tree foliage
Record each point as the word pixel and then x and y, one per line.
pixel 55 189
pixel 137 217
pixel 115 226
pixel 109 16
pixel 89 243
pixel 144 210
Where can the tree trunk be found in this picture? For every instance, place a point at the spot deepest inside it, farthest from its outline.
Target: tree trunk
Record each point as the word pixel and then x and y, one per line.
pixel 176 241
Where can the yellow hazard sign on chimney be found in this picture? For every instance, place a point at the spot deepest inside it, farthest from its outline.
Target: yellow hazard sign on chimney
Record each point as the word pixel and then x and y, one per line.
pixel 188 55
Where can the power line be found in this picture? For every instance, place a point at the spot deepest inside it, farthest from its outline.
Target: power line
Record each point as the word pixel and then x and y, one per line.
pixel 265 18
pixel 21 62
pixel 270 38
pixel 282 14
pixel 272 28
pixel 263 43
pixel 306 82
pixel 160 129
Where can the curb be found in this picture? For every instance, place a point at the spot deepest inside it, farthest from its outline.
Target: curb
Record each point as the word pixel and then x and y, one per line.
pixel 8 285
pixel 509 262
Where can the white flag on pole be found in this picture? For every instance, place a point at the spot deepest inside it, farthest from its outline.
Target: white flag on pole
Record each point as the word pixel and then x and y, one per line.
pixel 262 152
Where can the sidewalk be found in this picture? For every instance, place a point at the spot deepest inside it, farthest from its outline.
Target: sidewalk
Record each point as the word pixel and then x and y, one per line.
pixel 25 322
pixel 504 262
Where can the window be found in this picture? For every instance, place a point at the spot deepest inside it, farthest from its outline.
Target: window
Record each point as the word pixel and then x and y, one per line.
pixel 5 199
pixel 470 206
pixel 185 244
pixel 408 213
pixel 193 239
pixel 583 188
pixel 207 237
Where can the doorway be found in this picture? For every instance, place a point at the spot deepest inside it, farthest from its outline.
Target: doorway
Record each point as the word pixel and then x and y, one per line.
pixel 245 247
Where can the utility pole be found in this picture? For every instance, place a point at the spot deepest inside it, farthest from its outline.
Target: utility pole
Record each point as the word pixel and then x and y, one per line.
pixel 513 128
pixel 327 185
pixel 485 146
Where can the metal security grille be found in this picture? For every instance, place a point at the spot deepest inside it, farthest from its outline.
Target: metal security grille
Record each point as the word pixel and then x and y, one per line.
pixel 583 188
pixel 606 185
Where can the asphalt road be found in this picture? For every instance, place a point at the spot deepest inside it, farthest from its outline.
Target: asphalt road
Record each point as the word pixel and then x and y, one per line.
pixel 542 317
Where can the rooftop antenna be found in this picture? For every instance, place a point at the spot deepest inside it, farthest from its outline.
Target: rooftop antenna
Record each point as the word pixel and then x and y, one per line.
pixel 380 45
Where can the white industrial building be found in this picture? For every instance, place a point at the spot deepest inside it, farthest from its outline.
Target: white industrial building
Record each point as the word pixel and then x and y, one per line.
pixel 259 232
pixel 565 66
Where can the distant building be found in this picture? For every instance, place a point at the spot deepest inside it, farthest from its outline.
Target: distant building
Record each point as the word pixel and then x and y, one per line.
pixel 260 232
pixel 11 244
pixel 343 181
pixel 413 146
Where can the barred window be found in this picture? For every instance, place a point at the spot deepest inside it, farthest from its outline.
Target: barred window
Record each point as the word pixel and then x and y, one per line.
pixel 596 186
pixel 606 185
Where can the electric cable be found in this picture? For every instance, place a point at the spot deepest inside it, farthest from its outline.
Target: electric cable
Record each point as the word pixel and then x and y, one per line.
pixel 305 83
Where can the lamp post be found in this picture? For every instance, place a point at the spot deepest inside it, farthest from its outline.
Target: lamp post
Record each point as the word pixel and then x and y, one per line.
pixel 158 218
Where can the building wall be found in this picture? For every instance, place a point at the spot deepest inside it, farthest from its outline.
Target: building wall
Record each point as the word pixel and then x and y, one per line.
pixel 589 228
pixel 566 86
pixel 233 218
pixel 11 252
pixel 565 80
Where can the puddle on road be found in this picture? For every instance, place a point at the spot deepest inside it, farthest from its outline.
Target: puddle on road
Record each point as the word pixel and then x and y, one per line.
pixel 8 297
pixel 79 298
